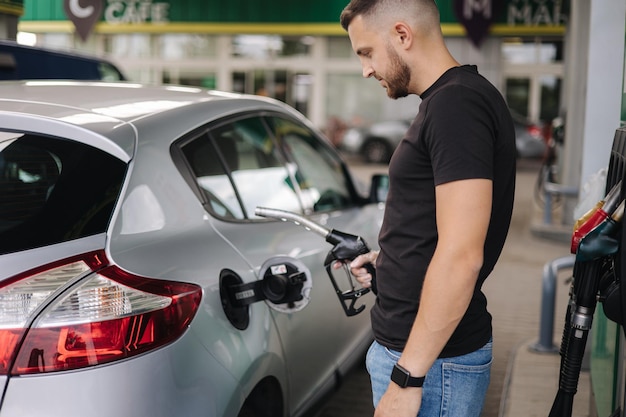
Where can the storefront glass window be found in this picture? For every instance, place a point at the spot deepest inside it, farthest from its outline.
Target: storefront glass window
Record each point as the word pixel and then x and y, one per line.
pixel 61 41
pixel 133 45
pixel 185 46
pixel 550 95
pixel 293 88
pixel 64 42
pixel 339 47
pixel 518 51
pixel 271 46
pixel 517 94
pixel 353 100
pixel 197 78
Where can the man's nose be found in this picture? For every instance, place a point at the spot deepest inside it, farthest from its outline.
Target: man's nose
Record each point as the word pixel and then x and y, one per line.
pixel 367 71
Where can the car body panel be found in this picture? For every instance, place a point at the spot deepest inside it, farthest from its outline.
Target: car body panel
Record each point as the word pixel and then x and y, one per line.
pixel 132 387
pixel 68 124
pixel 17 262
pixel 187 227
pixel 104 106
pixel 159 229
pixel 307 335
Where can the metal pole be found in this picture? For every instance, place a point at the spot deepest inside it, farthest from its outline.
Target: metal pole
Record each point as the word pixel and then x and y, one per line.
pixel 548 300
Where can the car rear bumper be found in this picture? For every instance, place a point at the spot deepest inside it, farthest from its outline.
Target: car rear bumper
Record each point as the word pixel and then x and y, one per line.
pixel 168 382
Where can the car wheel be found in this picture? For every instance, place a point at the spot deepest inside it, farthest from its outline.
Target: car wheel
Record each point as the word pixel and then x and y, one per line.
pixel 376 151
pixel 266 400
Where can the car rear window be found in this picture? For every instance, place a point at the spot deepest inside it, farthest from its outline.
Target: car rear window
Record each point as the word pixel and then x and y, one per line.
pixel 53 190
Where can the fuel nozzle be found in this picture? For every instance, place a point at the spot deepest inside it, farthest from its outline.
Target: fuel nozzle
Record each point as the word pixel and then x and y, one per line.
pixel 346 247
pixel 592 218
pixel 601 240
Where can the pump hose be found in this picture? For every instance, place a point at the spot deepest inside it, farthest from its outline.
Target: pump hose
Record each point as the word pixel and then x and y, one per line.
pixel 578 322
pixel 572 361
pixel 567 328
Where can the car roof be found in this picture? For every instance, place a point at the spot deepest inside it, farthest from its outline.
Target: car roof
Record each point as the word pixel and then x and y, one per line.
pixel 110 110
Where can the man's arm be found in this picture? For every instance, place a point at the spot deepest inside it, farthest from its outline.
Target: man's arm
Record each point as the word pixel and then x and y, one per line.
pixel 463 213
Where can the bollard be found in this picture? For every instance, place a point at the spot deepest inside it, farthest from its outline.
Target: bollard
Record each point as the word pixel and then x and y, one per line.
pixel 551 189
pixel 548 300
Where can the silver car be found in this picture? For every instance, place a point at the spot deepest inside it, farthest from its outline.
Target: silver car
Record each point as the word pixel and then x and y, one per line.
pixel 135 278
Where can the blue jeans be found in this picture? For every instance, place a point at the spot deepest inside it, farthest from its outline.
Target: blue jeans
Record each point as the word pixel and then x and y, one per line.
pixel 454 386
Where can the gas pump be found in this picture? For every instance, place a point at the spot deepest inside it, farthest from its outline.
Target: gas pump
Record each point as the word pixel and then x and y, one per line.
pixel 599 256
pixel 594 266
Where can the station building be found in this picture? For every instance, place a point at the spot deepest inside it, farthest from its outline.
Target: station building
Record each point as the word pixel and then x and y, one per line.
pixel 297 51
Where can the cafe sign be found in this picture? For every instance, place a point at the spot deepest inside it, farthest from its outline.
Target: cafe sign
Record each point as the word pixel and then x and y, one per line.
pixel 129 12
pixel 84 14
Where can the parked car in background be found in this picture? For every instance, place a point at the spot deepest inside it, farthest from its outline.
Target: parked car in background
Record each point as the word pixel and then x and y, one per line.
pixel 529 137
pixel 375 143
pixel 22 62
pixel 135 278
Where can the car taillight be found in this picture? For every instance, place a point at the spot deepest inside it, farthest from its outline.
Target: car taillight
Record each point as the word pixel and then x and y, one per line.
pixel 534 130
pixel 108 315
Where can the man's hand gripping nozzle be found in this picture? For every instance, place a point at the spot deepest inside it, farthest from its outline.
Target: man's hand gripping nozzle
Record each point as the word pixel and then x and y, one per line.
pixel 346 247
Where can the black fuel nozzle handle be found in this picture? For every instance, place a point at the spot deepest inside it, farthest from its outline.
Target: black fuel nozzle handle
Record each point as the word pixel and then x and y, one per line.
pixel 346 247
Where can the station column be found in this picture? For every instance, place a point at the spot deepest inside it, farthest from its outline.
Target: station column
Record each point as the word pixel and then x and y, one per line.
pixel 10 12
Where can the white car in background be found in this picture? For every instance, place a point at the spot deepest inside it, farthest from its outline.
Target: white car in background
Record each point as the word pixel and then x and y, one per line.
pixel 375 143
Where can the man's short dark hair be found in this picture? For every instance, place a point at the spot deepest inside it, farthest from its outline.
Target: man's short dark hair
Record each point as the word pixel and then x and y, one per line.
pixel 419 11
pixel 356 8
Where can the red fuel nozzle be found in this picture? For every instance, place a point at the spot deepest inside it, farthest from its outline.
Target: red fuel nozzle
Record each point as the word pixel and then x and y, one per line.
pixel 592 218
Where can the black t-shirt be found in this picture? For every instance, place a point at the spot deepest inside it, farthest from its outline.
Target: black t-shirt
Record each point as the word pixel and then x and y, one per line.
pixel 463 130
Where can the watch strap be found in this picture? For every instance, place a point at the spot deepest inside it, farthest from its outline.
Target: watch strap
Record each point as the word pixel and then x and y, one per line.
pixel 403 378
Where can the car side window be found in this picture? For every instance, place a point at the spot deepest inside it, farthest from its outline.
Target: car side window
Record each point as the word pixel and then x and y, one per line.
pixel 319 172
pixel 54 190
pixel 208 167
pixel 240 168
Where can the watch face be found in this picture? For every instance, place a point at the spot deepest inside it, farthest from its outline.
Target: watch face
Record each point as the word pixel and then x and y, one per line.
pixel 400 376
pixel 403 378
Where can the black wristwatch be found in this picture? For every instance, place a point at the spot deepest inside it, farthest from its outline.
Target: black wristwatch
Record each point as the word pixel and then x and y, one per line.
pixel 403 378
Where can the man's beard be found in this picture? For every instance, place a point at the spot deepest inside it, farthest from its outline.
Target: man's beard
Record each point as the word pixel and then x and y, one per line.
pixel 398 81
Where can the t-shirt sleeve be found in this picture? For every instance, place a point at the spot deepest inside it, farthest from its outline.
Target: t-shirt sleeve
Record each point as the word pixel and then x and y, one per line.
pixel 460 135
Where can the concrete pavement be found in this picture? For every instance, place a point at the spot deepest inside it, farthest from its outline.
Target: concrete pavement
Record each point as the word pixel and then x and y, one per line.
pixel 524 382
pixel 531 378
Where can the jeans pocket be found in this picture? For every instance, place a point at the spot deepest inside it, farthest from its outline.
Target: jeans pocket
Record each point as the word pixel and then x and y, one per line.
pixel 379 362
pixel 465 387
pixel 394 355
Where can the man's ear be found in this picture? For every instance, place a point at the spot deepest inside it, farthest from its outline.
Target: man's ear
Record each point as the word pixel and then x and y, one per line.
pixel 403 34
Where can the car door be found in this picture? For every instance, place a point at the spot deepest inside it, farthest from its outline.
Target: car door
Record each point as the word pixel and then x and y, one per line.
pixel 299 174
pixel 329 198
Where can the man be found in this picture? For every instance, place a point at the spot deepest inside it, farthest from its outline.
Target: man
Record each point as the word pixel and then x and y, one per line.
pixel 452 181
